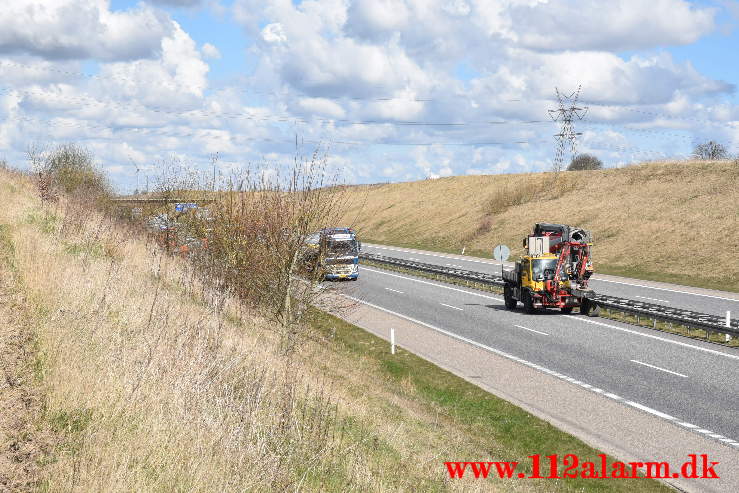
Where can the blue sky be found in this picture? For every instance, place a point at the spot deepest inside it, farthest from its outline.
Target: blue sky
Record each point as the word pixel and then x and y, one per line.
pixel 392 89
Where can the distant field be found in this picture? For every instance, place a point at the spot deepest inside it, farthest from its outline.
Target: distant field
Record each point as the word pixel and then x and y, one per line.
pixel 668 221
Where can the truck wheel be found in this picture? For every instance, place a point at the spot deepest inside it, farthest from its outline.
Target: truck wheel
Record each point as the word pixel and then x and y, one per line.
pixel 585 306
pixel 528 303
pixel 510 301
pixel 566 310
pixel 589 308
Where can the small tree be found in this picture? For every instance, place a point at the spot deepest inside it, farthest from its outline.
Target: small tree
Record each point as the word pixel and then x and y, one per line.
pixel 710 151
pixel 584 162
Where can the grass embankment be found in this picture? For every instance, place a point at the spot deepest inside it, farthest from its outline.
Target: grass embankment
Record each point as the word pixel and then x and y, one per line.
pixel 671 221
pixel 152 382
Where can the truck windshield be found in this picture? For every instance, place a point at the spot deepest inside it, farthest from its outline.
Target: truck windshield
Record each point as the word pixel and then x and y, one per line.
pixel 337 248
pixel 543 269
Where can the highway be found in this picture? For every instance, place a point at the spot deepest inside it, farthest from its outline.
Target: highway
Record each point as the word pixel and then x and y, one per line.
pixel 714 302
pixel 690 383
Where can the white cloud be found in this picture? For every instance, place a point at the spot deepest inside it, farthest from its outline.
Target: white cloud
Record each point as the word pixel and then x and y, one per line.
pixel 177 3
pixel 210 51
pixel 177 78
pixel 322 107
pixel 80 29
pixel 366 78
pixel 615 25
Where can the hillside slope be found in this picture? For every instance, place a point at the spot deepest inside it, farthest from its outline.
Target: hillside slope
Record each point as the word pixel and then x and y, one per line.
pixel 669 221
pixel 150 380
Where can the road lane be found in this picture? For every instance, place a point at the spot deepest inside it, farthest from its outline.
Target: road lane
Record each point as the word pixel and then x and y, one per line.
pixel 599 354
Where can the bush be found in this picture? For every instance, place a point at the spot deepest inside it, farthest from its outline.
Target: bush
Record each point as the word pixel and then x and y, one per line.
pixel 71 170
pixel 710 151
pixel 585 162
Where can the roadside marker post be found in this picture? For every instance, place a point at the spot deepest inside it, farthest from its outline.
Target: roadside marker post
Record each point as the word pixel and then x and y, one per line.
pixel 728 324
pixel 392 341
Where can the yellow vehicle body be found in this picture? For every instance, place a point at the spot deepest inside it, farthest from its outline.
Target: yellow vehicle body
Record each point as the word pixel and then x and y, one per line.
pixel 532 283
pixel 530 279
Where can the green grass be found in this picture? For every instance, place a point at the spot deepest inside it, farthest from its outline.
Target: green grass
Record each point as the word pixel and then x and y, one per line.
pixel 47 222
pixel 513 432
pixel 87 248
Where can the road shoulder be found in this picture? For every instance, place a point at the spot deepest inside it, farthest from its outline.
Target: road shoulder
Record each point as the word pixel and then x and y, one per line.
pixel 621 431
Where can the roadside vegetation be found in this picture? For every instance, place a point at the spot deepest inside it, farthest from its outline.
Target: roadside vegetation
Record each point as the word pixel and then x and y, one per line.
pixel 664 221
pixel 152 376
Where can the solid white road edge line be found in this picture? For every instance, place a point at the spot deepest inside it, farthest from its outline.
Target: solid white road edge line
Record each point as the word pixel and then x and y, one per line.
pixel 580 319
pixel 658 368
pixel 615 397
pixel 450 306
pixel 596 278
pixel 532 330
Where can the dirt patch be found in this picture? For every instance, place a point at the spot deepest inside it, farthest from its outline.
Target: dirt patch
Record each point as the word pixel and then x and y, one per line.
pixel 23 442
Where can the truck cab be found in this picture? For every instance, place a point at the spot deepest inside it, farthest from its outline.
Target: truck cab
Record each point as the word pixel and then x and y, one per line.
pixel 340 253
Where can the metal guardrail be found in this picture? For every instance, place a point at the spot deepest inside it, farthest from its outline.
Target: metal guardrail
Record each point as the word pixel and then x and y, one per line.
pixel 688 318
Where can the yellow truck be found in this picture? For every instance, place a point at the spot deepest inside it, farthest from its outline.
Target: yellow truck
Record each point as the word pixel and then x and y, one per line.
pixel 553 272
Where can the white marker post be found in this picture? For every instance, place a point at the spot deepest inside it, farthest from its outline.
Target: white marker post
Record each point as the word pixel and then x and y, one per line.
pixel 392 341
pixel 728 324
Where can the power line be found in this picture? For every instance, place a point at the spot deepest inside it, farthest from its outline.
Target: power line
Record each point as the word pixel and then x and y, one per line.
pixel 82 100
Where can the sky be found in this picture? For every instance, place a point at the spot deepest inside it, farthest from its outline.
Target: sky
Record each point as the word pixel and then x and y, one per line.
pixel 386 90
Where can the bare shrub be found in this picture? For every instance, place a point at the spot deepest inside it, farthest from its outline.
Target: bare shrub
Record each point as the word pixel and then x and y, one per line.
pixel 485 226
pixel 584 162
pixel 256 239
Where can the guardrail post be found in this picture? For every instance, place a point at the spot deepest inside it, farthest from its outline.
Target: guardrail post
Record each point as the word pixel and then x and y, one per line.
pixel 392 341
pixel 654 323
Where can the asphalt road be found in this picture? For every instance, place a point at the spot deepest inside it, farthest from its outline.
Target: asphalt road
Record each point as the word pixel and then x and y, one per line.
pixel 714 302
pixel 692 383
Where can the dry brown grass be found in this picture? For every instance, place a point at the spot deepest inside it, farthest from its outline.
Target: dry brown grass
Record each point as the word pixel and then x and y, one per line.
pixel 23 443
pixel 154 383
pixel 673 221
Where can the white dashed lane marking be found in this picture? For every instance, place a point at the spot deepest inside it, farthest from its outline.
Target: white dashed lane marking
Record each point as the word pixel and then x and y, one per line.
pixel 532 330
pixel 658 368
